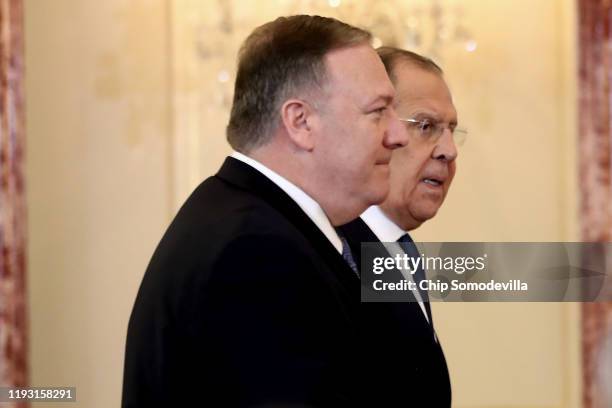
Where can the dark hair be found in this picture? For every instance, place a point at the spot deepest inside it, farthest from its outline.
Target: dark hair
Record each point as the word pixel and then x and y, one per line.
pixel 277 60
pixel 391 56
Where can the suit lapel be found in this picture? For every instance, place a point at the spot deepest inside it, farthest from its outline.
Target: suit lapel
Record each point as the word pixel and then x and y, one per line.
pixel 356 233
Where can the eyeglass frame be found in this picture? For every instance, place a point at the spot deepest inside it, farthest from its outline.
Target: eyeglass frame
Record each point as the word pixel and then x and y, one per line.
pixel 459 133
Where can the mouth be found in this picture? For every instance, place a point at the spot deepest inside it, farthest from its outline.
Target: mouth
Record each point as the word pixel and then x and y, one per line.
pixel 433 182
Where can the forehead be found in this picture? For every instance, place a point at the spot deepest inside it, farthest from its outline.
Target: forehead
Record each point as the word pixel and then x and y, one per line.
pixel 417 88
pixel 359 72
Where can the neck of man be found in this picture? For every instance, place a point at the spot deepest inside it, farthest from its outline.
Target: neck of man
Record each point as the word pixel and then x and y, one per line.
pixel 402 219
pixel 294 166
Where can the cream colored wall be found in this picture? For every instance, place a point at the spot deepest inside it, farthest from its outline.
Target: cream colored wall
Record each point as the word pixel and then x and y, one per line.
pixel 516 95
pixel 116 139
pixel 516 181
pixel 98 174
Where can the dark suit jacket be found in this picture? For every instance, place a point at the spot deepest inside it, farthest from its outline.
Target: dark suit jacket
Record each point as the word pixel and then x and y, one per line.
pixel 244 303
pixel 408 366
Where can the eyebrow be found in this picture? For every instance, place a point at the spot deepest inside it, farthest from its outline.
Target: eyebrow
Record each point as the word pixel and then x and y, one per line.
pixel 387 99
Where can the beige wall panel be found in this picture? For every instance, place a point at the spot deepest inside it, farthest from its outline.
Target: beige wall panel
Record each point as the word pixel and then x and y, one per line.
pixel 516 181
pixel 98 181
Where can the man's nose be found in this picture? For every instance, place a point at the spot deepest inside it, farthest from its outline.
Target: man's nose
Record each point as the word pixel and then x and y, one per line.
pixel 446 149
pixel 396 135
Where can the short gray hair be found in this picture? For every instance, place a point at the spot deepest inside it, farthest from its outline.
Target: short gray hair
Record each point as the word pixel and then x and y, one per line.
pixel 391 56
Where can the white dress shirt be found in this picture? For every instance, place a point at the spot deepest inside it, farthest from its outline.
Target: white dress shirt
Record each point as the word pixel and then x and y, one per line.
pixel 312 209
pixel 388 233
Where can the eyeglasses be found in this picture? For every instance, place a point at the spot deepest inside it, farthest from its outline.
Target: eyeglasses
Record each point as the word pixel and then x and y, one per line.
pixel 431 131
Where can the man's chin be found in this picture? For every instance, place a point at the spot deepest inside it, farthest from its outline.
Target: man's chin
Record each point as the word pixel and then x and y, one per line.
pixel 378 193
pixel 425 214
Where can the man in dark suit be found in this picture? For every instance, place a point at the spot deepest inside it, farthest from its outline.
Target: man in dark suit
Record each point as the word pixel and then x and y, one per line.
pixel 248 300
pixel 421 174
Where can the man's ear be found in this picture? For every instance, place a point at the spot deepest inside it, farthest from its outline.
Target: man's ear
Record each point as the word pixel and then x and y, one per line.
pixel 297 118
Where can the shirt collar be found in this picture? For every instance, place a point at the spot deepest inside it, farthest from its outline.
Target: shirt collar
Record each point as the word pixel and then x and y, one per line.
pixel 384 229
pixel 312 209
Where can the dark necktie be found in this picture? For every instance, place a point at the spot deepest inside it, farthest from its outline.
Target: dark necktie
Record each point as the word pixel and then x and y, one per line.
pixel 348 256
pixel 412 251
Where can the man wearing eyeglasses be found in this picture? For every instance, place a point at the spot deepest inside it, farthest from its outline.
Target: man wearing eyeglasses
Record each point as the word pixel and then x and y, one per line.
pixel 421 174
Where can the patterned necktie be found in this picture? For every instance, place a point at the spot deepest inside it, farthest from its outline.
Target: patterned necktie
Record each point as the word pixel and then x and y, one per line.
pixel 348 256
pixel 412 251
